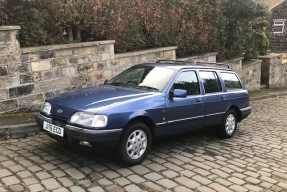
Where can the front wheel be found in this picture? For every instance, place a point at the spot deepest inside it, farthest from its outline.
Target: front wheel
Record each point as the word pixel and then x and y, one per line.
pixel 134 144
pixel 228 125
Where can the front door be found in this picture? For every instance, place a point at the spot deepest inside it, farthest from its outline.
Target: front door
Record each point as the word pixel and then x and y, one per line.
pixel 184 114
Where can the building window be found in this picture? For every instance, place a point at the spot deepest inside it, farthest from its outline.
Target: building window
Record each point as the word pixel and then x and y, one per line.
pixel 279 25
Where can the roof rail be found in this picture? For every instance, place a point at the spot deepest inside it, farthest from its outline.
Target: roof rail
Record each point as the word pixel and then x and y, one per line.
pixel 192 63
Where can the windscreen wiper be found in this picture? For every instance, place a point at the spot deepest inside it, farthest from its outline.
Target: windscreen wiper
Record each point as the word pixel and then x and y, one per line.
pixel 117 84
pixel 147 87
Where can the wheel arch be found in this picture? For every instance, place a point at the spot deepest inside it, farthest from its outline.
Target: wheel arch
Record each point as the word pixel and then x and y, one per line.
pixel 146 120
pixel 238 112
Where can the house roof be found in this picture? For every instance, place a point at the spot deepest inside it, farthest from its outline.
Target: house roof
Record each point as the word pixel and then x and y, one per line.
pixel 271 3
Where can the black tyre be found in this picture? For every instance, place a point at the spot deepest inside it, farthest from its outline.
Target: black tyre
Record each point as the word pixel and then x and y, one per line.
pixel 134 144
pixel 228 125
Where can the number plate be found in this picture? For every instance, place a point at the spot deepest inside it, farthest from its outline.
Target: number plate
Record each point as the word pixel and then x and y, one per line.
pixel 53 129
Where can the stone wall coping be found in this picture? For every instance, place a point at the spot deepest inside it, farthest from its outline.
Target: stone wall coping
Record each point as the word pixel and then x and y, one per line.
pixel 65 46
pixel 233 60
pixel 269 56
pixel 197 56
pixel 251 62
pixel 147 51
pixel 9 28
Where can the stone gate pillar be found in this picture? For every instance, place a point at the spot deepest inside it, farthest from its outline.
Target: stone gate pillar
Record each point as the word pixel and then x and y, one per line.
pixel 272 70
pixel 9 57
pixel 9 44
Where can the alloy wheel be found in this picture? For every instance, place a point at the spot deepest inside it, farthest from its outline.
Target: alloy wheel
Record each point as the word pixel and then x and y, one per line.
pixel 136 144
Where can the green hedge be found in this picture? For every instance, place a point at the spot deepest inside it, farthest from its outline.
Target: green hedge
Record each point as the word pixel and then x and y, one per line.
pixel 229 27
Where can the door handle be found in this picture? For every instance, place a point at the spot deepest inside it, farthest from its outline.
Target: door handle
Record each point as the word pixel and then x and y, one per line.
pixel 199 99
pixel 224 97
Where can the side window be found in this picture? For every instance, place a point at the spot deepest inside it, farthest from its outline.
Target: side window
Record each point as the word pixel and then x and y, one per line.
pixel 211 81
pixel 188 81
pixel 231 81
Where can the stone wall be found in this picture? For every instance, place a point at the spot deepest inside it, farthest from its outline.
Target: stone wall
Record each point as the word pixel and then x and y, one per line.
pixel 250 72
pixel 29 75
pixel 235 65
pixel 251 75
pixel 126 60
pixel 273 71
pixel 207 57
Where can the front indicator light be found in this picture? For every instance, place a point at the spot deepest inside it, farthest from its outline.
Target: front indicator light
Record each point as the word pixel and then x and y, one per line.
pixel 46 108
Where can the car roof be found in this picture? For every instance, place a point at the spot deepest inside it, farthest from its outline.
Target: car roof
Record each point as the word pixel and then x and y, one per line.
pixel 177 65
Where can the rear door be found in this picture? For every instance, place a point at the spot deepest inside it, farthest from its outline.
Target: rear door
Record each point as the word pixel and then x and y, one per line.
pixel 184 114
pixel 216 101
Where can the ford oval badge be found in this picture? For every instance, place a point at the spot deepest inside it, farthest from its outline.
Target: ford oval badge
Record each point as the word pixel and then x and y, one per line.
pixel 59 111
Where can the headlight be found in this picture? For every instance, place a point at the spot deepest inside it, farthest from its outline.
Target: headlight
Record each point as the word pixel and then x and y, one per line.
pixel 90 120
pixel 46 108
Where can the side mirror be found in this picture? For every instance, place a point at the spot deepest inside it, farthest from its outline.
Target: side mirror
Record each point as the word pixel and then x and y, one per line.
pixel 180 93
pixel 105 82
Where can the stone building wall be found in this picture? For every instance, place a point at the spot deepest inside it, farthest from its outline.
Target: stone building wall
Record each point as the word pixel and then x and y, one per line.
pixel 278 42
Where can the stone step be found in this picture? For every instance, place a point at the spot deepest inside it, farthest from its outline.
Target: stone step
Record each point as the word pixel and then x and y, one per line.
pixel 263 86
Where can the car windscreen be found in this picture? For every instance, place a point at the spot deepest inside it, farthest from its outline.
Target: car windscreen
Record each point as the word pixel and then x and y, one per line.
pixel 143 77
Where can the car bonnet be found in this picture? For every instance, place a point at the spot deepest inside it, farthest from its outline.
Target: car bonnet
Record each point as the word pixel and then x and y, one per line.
pixel 92 99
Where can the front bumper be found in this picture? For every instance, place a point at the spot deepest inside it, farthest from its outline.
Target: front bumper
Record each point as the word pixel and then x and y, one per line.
pixel 74 134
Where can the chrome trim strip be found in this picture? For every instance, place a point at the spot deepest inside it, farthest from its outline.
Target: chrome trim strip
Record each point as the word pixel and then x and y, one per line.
pixel 185 119
pixel 245 109
pixel 92 131
pixel 213 114
pixel 161 123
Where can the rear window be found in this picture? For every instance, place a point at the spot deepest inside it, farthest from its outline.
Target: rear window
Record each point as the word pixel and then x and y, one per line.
pixel 231 81
pixel 210 81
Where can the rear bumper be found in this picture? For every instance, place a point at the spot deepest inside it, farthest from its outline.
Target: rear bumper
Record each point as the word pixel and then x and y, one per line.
pixel 245 112
pixel 74 134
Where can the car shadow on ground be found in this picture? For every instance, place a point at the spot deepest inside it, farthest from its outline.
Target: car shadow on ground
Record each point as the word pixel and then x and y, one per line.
pixel 187 143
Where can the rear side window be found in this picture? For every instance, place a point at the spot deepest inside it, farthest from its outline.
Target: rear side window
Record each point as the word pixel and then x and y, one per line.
pixel 231 81
pixel 188 81
pixel 211 81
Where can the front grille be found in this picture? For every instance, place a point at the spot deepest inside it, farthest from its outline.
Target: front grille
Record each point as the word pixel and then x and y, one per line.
pixel 60 121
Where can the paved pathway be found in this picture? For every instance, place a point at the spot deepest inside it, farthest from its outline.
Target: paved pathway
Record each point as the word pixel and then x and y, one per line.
pixel 255 159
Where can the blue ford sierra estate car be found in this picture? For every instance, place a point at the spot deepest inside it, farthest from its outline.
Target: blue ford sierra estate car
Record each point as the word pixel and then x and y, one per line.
pixel 145 102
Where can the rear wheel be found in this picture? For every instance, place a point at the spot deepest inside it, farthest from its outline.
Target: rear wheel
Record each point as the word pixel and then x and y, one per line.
pixel 134 144
pixel 228 125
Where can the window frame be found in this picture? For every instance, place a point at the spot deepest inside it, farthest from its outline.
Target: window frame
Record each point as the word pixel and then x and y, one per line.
pixel 279 23
pixel 197 78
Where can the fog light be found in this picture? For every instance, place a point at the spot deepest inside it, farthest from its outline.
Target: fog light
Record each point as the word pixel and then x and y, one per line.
pixel 85 143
